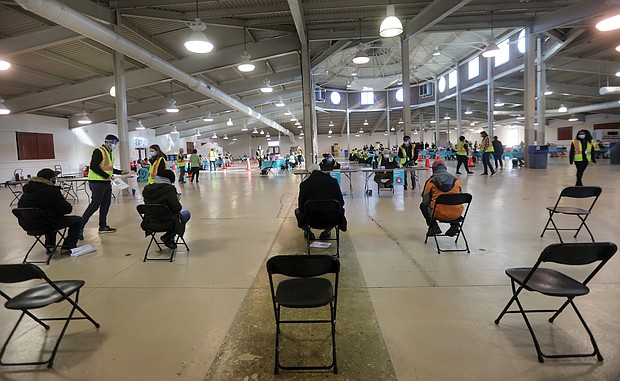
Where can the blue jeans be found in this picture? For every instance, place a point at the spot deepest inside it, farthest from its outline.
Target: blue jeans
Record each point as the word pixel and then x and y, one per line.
pixel 212 166
pixel 486 162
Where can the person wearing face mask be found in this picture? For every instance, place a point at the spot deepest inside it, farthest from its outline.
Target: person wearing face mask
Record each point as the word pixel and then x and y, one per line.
pixel 158 162
pixel 407 155
pixel 581 153
pixel 385 161
pixel 100 172
pixel 41 192
pixel 329 163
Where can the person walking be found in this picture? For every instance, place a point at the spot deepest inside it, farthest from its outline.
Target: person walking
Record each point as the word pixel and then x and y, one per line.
pixel 194 165
pixel 181 166
pixel 212 160
pixel 581 153
pixel 158 162
pixel 462 151
pixel 407 158
pixel 487 150
pixel 498 152
pixel 100 171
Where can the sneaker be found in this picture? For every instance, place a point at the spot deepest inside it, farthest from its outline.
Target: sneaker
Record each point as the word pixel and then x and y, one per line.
pixel 312 237
pixel 65 251
pixel 49 249
pixel 106 229
pixel 325 234
pixel 458 173
pixel 433 230
pixel 452 231
pixel 484 174
pixel 81 235
pixel 493 173
pixel 171 245
pixel 470 173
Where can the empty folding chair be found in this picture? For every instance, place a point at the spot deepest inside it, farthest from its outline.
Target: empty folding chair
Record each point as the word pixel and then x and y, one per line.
pixel 582 214
pixel 554 283
pixel 301 284
pixel 452 199
pixel 323 215
pixel 40 296
pixel 36 224
pixel 157 218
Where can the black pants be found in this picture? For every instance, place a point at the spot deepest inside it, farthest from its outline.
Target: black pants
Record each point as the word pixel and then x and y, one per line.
pixel 498 158
pixel 74 223
pixel 195 174
pixel 581 168
pixel 429 221
pixel 100 198
pixel 182 174
pixel 461 160
pixel 410 163
pixel 486 162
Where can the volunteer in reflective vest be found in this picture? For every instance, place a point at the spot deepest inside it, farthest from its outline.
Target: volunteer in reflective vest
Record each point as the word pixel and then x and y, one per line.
pixel 100 171
pixel 581 153
pixel 181 166
pixel 407 158
pixel 487 151
pixel 462 150
pixel 158 162
pixel 385 161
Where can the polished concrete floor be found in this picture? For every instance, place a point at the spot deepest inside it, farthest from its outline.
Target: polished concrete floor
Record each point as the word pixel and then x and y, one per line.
pixel 405 312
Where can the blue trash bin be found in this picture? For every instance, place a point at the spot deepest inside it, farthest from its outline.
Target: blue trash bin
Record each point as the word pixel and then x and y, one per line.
pixel 537 156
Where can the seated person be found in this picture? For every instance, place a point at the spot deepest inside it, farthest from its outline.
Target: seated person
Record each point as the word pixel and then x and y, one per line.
pixel 440 182
pixel 40 192
pixel 318 186
pixel 329 163
pixel 385 161
pixel 143 174
pixel 164 192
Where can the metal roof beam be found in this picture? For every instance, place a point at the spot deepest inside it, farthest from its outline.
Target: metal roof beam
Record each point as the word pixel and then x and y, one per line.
pixel 579 65
pixel 570 14
pixel 40 39
pixel 431 15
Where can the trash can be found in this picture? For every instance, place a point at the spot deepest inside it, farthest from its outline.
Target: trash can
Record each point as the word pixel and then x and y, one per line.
pixel 614 153
pixel 537 156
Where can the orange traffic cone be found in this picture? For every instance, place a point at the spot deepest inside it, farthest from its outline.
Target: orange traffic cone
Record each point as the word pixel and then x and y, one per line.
pixel 420 158
pixel 223 164
pixel 470 162
pixel 427 163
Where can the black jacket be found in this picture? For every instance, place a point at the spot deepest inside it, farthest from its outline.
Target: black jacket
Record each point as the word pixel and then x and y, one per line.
pixel 41 193
pixel 165 194
pixel 321 186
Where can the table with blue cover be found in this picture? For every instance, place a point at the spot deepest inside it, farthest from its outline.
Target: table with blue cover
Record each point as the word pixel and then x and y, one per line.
pixel 272 164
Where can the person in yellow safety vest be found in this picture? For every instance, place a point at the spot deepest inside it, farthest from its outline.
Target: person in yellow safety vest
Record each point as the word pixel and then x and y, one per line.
pixel 596 147
pixel 487 151
pixel 181 166
pixel 100 171
pixel 158 162
pixel 385 161
pixel 406 153
pixel 581 153
pixel 212 156
pixel 462 150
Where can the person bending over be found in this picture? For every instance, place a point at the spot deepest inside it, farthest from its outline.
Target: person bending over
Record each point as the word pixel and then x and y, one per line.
pixel 440 182
pixel 318 186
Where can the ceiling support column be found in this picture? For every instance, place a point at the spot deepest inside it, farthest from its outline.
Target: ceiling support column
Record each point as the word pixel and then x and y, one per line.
pixel 541 87
pixel 490 96
pixel 406 80
pixel 529 89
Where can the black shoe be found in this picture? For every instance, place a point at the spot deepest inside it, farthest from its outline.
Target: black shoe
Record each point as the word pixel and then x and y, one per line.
pixel 170 245
pixel 493 173
pixel 326 234
pixel 312 236
pixel 484 174
pixel 49 249
pixel 65 251
pixel 470 173
pixel 81 235
pixel 405 188
pixel 165 238
pixel 452 231
pixel 106 229
pixel 458 173
pixel 433 230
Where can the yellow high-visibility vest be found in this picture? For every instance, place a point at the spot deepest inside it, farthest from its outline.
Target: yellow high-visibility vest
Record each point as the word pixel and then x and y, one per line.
pixel 107 165
pixel 579 151
pixel 460 149
pixel 153 170
pixel 486 143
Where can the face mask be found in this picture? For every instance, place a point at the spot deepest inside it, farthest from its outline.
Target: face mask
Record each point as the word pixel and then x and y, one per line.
pixel 112 146
pixel 386 156
pixel 152 153
pixel 329 159
pixel 581 136
pixel 407 142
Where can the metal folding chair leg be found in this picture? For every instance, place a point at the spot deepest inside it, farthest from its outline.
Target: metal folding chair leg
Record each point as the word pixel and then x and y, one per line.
pixel 49 252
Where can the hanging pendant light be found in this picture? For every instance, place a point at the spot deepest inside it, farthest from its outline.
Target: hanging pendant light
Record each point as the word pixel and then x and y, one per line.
pixel 468 111
pixel 562 108
pixel 255 131
pixel 234 138
pixel 400 121
pixel 140 126
pixel 436 52
pixel 244 128
pixel 330 131
pixel 392 129
pixel 172 104
pixel 360 57
pixel 4 65
pixel 208 118
pixel 573 118
pixel 365 122
pixel 84 120
pixel 230 122
pixel 391 25
pixel 225 137
pixel 280 102
pixel 197 134
pixel 198 41
pixel 214 136
pixel 447 117
pixel 498 103
pixel 288 112
pixel 492 50
pixel 174 131
pixel 262 132
pixel 246 64
pixel 267 135
pixel 609 23
pixel 331 124
pixel 266 87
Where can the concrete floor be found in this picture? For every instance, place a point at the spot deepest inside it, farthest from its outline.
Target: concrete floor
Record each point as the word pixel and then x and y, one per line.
pixel 405 312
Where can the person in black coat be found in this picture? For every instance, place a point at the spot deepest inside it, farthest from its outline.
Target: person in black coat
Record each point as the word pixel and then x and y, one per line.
pixel 329 163
pixel 40 192
pixel 319 186
pixel 164 192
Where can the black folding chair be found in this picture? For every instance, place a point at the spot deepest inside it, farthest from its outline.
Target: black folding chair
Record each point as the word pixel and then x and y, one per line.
pixel 301 286
pixel 16 190
pixel 157 218
pixel 323 214
pixel 553 283
pixel 582 214
pixel 36 224
pixel 452 199
pixel 37 297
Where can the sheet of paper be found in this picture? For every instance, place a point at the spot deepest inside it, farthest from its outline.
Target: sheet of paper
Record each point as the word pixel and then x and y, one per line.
pixel 81 250
pixel 120 184
pixel 320 245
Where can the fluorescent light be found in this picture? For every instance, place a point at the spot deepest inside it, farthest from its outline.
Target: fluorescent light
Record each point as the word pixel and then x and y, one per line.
pixel 208 118
pixel 198 41
pixel 573 118
pixel 4 65
pixel 468 111
pixel 230 122
pixel 562 108
pixel 266 88
pixel 140 126
pixel 172 106
pixel 391 25
pixel 3 109
pixel 246 65
pixel 610 23
pixel 491 51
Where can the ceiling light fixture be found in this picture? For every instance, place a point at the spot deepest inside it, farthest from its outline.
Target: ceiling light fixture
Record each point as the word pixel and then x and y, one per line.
pixel 230 122
pixel 354 72
pixel 4 65
pixel 214 136
pixel 548 91
pixel 498 103
pixel 330 131
pixel 266 87
pixel 468 111
pixel 293 119
pixel 267 135
pixel 288 112
pixel 174 130
pixel 140 126
pixel 299 125
pixel 391 25
pixel 262 132
pixel 447 117
pixel 172 104
pixel 436 52
pixel 255 131
pixel 433 122
pixel 197 134
pixel 234 138
pixel 113 91
pixel 198 41
pixel 84 119
pixel 225 137
pixel 609 23
pixel 562 108
pixel 400 121
pixel 208 118
pixel 331 124
pixel 360 57
pixel 520 117
pixel 301 133
pixel 573 118
pixel 246 64
pixel 492 50
pixel 280 102
pixel 244 128
pixel 365 122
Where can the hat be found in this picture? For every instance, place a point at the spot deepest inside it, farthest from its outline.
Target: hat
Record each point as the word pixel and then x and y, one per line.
pixel 111 138
pixel 47 173
pixel 168 174
pixel 439 165
pixel 406 138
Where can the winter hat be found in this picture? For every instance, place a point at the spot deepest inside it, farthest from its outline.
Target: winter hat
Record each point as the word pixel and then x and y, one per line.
pixel 439 165
pixel 47 173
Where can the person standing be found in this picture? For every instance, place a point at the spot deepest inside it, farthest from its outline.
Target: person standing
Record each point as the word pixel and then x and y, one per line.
pixel 498 152
pixel 407 158
pixel 181 166
pixel 158 162
pixel 259 156
pixel 581 153
pixel 212 160
pixel 100 171
pixel 487 150
pixel 194 164
pixel 462 151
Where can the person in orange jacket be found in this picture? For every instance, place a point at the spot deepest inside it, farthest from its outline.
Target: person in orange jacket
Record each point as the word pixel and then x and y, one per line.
pixel 441 182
